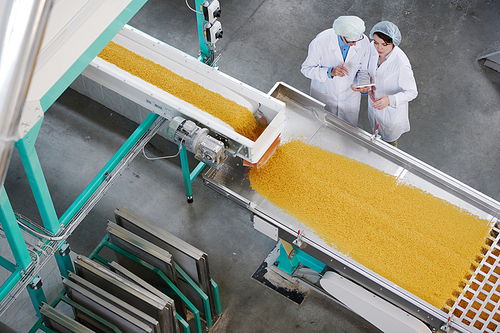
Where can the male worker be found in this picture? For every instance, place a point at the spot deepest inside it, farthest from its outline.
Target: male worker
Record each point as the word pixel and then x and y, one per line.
pixel 334 59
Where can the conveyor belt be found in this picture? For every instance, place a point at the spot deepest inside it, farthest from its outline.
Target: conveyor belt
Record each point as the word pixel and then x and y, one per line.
pixel 306 119
pixel 103 81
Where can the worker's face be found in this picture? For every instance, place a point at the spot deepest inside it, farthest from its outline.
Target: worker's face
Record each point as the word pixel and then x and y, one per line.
pixel 382 47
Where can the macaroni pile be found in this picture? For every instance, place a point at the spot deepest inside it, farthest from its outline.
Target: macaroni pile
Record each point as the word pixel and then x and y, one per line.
pixel 233 114
pixel 415 240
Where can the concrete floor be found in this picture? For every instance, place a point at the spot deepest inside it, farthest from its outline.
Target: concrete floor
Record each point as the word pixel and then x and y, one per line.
pixel 455 127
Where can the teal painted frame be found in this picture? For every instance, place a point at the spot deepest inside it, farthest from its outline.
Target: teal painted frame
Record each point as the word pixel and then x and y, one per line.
pixel 215 287
pixel 11 281
pixel 19 251
pixel 11 267
pixel 33 169
pixel 13 233
pixel 64 260
pixel 204 297
pixel 188 176
pixel 218 306
pixel 200 20
pixel 37 297
pixel 90 314
pixel 102 175
pixel 289 265
pixel 39 325
pixel 42 196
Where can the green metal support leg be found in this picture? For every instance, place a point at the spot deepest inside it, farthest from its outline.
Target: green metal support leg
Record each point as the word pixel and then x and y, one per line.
pixel 36 294
pixel 11 281
pixel 12 232
pixel 215 288
pixel 200 20
pixel 187 175
pixel 310 262
pixel 17 245
pixel 63 260
pixel 31 163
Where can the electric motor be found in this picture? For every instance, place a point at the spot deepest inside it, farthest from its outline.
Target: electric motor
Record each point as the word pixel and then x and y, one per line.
pixel 197 141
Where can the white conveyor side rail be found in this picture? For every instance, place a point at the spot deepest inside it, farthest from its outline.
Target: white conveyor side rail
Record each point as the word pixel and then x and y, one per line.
pixel 169 106
pixel 385 316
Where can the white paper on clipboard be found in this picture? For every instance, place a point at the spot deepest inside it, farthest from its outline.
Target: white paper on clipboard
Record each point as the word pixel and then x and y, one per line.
pixel 364 85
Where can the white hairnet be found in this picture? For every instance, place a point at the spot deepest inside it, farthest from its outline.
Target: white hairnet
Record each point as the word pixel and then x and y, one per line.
pixel 349 26
pixel 389 29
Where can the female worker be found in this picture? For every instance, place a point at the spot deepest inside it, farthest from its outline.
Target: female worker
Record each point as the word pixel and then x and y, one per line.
pixel 395 85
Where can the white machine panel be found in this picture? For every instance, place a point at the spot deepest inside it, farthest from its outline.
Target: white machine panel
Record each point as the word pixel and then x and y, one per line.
pixel 267 229
pixel 387 317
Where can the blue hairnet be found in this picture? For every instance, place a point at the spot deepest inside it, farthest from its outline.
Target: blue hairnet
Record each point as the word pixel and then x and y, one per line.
pixel 349 26
pixel 389 29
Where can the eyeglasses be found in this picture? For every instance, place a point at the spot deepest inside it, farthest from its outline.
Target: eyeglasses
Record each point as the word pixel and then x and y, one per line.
pixel 353 41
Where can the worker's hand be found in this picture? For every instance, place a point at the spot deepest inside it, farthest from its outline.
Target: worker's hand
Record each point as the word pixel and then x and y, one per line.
pixel 371 93
pixel 340 71
pixel 381 103
pixel 363 90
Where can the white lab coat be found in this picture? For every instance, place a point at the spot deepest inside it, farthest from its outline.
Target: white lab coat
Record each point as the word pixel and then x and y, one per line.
pixel 324 53
pixel 394 78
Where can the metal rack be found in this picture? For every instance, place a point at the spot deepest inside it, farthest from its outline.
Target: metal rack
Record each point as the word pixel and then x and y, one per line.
pixel 172 289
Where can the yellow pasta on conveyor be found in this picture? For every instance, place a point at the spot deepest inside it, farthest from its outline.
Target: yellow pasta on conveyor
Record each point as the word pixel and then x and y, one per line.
pixel 230 112
pixel 415 240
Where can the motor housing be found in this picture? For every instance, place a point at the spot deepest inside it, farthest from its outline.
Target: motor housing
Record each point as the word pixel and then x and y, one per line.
pixel 196 140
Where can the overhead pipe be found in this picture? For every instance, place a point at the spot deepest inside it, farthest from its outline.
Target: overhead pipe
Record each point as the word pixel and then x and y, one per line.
pixel 22 23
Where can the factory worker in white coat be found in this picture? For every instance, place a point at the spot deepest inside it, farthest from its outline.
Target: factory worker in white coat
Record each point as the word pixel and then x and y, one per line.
pixel 395 85
pixel 334 58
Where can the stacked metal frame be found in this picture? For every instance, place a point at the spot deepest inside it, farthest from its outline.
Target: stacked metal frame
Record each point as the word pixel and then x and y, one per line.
pixel 191 260
pixel 122 271
pixel 148 252
pixel 90 322
pixel 128 291
pixel 142 249
pixel 107 311
pixel 113 300
pixel 61 323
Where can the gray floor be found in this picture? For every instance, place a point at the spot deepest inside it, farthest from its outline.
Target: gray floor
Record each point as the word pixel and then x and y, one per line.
pixel 455 127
